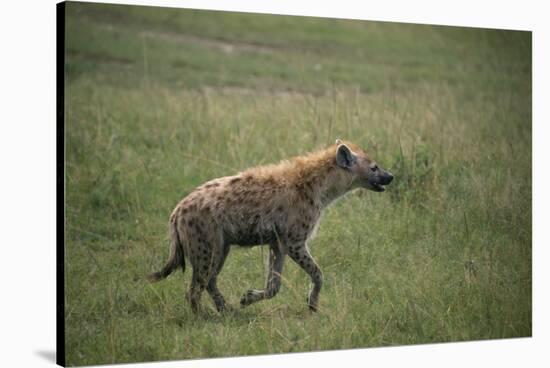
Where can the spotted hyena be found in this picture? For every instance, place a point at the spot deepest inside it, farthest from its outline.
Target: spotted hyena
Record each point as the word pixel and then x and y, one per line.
pixel 279 205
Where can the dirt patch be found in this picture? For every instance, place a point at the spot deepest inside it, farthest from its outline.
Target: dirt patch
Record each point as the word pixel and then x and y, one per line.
pixel 226 47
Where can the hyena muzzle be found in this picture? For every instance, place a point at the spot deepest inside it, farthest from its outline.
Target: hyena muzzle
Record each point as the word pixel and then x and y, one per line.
pixel 276 205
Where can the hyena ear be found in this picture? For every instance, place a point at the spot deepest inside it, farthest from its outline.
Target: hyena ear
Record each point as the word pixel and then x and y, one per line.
pixel 338 141
pixel 344 157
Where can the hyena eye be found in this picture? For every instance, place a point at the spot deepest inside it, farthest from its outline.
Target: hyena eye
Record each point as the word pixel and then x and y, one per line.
pixel 374 168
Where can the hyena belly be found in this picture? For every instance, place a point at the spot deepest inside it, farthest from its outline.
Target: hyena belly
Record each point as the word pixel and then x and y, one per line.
pixel 247 220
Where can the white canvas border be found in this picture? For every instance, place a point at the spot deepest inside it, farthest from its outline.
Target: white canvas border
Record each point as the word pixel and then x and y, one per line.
pixel 27 149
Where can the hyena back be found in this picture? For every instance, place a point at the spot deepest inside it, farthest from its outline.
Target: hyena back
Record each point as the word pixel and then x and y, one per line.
pixel 279 205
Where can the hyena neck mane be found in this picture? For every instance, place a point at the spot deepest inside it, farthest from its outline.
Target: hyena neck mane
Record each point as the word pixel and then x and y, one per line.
pixel 316 175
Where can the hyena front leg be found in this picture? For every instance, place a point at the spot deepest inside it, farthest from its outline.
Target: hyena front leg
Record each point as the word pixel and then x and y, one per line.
pixel 300 254
pixel 276 262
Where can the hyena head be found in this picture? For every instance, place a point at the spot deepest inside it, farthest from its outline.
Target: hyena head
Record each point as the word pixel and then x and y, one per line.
pixel 365 172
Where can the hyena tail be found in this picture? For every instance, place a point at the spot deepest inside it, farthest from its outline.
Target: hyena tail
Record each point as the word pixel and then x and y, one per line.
pixel 176 255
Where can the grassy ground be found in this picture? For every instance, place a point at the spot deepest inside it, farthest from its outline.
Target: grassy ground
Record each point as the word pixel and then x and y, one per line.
pixel 161 100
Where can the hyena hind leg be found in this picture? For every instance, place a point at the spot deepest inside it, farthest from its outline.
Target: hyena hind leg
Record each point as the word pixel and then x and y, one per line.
pixel 195 290
pixel 212 287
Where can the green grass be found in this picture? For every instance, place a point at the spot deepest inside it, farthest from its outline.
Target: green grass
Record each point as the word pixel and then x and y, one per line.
pixel 161 100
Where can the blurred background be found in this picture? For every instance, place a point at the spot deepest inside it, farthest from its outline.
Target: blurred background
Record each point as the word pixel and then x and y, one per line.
pixel 160 100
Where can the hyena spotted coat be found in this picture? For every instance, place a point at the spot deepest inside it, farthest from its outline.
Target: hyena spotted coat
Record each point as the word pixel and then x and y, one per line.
pixel 279 205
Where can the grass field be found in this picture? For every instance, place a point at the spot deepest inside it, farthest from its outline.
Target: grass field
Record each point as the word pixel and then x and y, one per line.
pixel 161 100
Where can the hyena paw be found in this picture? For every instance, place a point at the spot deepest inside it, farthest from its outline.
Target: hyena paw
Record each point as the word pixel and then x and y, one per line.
pixel 250 297
pixel 312 305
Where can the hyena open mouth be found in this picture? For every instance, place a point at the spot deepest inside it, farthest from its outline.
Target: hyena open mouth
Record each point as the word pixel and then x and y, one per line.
pixel 378 184
pixel 377 187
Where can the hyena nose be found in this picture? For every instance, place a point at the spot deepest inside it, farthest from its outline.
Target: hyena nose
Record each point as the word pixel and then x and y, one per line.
pixel 390 177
